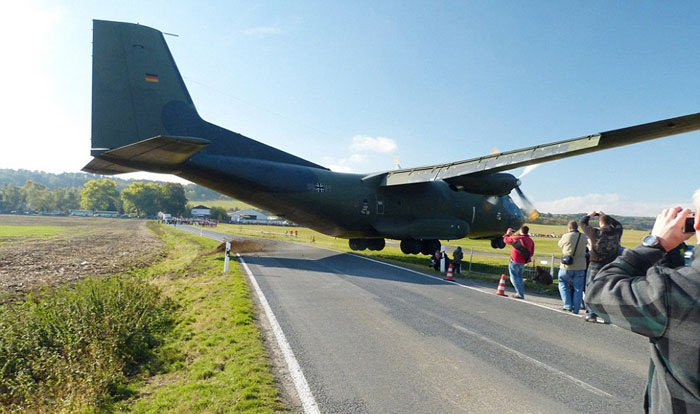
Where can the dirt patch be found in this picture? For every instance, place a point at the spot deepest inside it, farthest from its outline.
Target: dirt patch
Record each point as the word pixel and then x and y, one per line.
pixel 245 246
pixel 89 246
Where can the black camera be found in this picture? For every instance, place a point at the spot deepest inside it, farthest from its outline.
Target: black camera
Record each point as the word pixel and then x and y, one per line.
pixel 689 224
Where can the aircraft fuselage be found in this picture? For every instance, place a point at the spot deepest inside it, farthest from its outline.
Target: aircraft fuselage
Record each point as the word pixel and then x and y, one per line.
pixel 344 205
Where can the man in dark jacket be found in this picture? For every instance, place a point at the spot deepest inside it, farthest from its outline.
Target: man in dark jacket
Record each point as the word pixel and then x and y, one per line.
pixel 458 255
pixel 662 304
pixel 605 245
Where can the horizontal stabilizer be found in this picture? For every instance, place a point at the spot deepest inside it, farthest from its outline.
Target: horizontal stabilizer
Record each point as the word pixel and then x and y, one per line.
pixel 98 166
pixel 541 153
pixel 161 154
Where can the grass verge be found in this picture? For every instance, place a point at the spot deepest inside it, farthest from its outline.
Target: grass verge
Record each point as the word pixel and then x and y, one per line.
pixel 74 348
pixel 176 336
pixel 217 361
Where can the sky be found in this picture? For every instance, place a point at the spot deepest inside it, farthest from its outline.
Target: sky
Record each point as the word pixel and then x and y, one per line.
pixel 362 86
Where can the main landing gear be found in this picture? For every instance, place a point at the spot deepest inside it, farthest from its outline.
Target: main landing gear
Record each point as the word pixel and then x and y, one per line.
pixel 371 244
pixel 413 246
pixel 498 243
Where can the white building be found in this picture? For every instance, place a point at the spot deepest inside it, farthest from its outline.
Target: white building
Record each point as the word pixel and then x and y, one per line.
pixel 200 211
pixel 249 215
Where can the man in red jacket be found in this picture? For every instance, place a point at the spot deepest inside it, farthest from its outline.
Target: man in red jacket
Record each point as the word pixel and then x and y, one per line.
pixel 521 254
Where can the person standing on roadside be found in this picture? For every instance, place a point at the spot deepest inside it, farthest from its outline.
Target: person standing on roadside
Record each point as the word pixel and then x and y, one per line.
pixel 605 247
pixel 661 304
pixel 457 257
pixel 572 271
pixel 521 254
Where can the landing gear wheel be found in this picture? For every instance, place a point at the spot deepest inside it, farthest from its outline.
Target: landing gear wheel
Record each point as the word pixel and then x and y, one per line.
pixel 410 246
pixel 358 244
pixel 498 243
pixel 376 244
pixel 405 246
pixel 429 247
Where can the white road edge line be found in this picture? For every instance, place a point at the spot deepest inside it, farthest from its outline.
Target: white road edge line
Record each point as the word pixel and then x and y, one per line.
pixel 307 398
pixel 519 354
pixel 525 302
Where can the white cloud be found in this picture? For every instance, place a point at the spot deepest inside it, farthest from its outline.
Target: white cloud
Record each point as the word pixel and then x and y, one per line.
pixel 262 31
pixel 364 143
pixel 609 203
pixel 366 153
pixel 340 167
pixel 358 158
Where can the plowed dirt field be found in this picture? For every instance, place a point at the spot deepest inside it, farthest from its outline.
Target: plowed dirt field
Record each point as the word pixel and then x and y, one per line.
pixel 38 251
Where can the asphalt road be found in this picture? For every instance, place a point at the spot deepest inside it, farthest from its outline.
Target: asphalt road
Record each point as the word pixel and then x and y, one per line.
pixel 376 338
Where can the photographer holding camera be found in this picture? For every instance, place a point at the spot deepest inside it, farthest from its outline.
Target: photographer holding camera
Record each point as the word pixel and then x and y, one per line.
pixel 605 247
pixel 660 303
pixel 520 255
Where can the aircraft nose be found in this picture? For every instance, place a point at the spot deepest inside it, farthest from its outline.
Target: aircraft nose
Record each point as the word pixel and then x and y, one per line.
pixel 517 220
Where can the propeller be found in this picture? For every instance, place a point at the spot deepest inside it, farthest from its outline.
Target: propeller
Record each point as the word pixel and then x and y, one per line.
pixel 528 170
pixel 532 212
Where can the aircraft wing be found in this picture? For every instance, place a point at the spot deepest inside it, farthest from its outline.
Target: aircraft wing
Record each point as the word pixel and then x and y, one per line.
pixel 456 172
pixel 158 154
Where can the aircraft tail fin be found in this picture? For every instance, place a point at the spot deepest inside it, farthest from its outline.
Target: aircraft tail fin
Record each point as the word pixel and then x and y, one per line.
pixel 138 94
pixel 134 77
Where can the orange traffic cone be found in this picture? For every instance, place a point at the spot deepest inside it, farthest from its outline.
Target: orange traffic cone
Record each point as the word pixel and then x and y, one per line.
pixel 501 291
pixel 449 273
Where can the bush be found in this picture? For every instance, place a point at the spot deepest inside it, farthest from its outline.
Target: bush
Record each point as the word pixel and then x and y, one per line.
pixel 73 347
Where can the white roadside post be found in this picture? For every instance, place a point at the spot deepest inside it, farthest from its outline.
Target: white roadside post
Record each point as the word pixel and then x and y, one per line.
pixel 471 259
pixel 551 267
pixel 226 255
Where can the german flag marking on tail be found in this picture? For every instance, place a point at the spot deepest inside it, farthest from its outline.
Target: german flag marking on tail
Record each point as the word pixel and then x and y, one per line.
pixel 150 77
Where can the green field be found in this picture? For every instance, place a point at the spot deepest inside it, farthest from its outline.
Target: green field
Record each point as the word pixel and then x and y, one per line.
pixel 33 232
pixel 544 246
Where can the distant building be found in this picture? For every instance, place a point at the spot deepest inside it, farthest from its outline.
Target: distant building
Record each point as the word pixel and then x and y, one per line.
pixel 201 211
pixel 249 214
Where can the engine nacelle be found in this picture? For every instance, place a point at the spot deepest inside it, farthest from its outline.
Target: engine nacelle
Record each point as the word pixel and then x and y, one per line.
pixel 494 184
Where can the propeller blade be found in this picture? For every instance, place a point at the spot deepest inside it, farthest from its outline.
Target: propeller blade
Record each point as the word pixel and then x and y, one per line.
pixel 528 170
pixel 532 213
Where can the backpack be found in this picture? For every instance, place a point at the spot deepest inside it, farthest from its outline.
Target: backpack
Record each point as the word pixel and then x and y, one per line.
pixel 607 246
pixel 542 276
pixel 519 246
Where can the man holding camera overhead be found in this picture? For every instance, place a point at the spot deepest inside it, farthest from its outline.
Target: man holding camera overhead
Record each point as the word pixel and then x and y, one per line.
pixel 605 247
pixel 662 304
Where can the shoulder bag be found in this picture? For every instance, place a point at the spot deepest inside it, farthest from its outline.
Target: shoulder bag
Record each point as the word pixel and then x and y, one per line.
pixel 569 259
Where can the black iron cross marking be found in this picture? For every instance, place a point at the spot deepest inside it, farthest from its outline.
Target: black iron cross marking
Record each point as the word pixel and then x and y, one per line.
pixel 320 188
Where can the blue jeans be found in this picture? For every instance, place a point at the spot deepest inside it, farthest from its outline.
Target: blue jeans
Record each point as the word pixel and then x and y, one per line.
pixel 571 288
pixel 516 277
pixel 593 269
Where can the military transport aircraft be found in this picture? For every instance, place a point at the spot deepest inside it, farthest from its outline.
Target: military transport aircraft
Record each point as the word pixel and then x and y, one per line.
pixel 144 119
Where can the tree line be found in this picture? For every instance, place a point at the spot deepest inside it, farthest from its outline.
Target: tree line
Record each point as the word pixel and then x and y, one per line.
pixel 54 181
pixel 635 223
pixel 138 198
